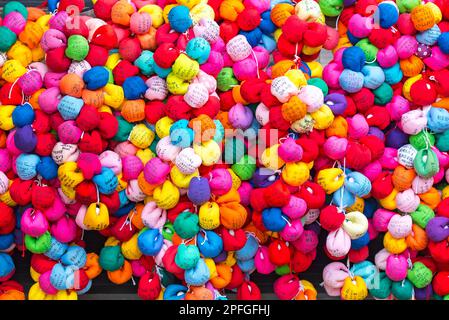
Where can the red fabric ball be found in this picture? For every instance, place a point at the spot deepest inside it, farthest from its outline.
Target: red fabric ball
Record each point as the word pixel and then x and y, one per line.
pixel 79 28
pixel 65 5
pixel 165 34
pixel 313 194
pixel 42 197
pixel 226 100
pixel 233 241
pixel 382 186
pixel 257 200
pixel 248 291
pixel 123 229
pixel 86 192
pixel 366 7
pixel 105 36
pixel 302 261
pixel 154 110
pixel 41 263
pixel 310 149
pixel 97 55
pixel 237 278
pixel 443 208
pixel 169 260
pixel 7 219
pixel 287 48
pixel 149 286
pixel 108 125
pixel 123 70
pixel 10 96
pixel 279 253
pixel 358 156
pixel 228 30
pixel 267 98
pixel 351 108
pixel 45 144
pixel 130 49
pixel 20 191
pixel 88 118
pixel 381 37
pixel 248 19
pixel 276 119
pixel 251 90
pixel 257 220
pixel 423 92
pixel 315 35
pixel 81 280
pixel 356 256
pixel 405 24
pixel 440 283
pixel 41 123
pixel 56 120
pixel 346 15
pixel 276 194
pixel 364 99
pixel 57 61
pixel 91 142
pixel 286 287
pixel 375 145
pixel 439 251
pixel 112 201
pixel 319 136
pixel 182 205
pixel 330 218
pixel 441 82
pixel 177 109
pixel 294 29
pixel 211 108
pixel 102 9
pixel 165 55
pixel 378 117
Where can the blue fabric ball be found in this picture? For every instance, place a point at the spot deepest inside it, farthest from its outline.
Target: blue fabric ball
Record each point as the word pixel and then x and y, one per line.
pixel 74 256
pixel 179 19
pixel 273 219
pixel 374 76
pixel 393 75
pixel 6 240
pixel 351 81
pixel 26 166
pixel 353 59
pixel 210 244
pixel 268 43
pixel 443 42
pixel 134 88
pixel 175 292
pixel 396 138
pixel 343 198
pixel 198 275
pixel 198 49
pixel 249 250
pixel 106 181
pixel 25 139
pixel 359 243
pixel 150 242
pixel 266 25
pixel 161 72
pixel 370 207
pixel 57 249
pixel 353 39
pixel 69 107
pixel 247 266
pixel 145 62
pixel 6 264
pixel 47 168
pixel 23 115
pixel 96 78
pixel 430 36
pixel 254 36
pixel 438 120
pixel 124 210
pixel 387 13
pixel 180 134
pixel 124 201
pixel 52 5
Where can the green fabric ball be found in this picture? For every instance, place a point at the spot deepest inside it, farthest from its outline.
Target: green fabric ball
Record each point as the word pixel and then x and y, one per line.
pixel 422 215
pixel 402 290
pixel 420 276
pixel 423 139
pixel 443 141
pixel 111 76
pixel 11 6
pixel 317 82
pixel 383 94
pixel 38 244
pixel 186 225
pixel 111 258
pixel 382 290
pixel 226 79
pixel 368 48
pixel 187 256
pixel 282 270
pixel 168 231
pixel 8 38
pixel 331 8
pixel 426 163
pixel 77 47
pixel 234 149
pixel 245 168
pixel 124 129
pixel 407 5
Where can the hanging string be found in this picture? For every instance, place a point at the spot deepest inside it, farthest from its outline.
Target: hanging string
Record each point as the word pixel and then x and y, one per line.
pixel 257 63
